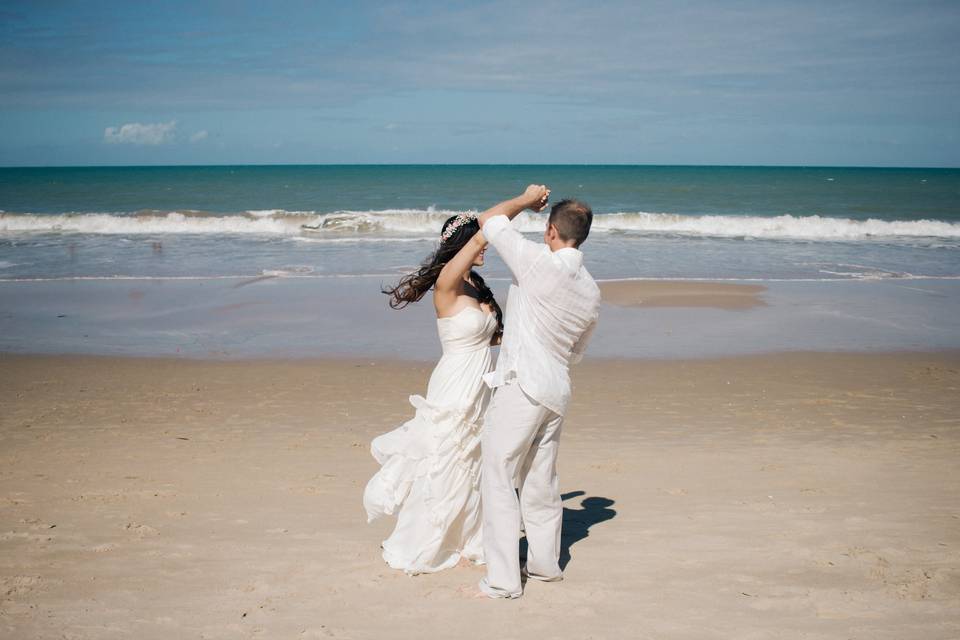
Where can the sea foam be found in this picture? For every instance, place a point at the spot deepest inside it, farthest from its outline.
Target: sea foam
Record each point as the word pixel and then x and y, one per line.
pixel 426 223
pixel 783 226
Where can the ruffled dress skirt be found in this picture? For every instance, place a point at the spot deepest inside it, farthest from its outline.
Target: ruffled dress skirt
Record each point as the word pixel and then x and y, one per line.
pixel 429 476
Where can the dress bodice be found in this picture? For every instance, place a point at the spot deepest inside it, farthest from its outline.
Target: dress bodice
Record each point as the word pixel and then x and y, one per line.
pixel 470 329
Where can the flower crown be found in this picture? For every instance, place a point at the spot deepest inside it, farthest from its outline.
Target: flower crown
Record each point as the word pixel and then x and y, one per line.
pixel 460 220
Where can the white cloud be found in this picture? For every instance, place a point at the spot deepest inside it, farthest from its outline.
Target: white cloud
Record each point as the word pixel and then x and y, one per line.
pixel 199 135
pixel 136 133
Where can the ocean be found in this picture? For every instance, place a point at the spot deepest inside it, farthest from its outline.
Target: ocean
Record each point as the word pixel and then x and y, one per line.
pixel 730 223
pixel 289 261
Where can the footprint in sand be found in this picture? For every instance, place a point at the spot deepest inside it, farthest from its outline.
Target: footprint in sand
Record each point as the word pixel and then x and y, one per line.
pixel 140 530
pixel 907 583
pixel 912 584
pixel 23 535
pixel 36 524
pixel 13 586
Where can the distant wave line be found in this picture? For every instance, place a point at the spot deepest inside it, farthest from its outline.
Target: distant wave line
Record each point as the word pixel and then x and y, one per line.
pixel 425 224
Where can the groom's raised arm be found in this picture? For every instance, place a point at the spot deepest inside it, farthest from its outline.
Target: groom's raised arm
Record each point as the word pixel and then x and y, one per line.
pixel 516 251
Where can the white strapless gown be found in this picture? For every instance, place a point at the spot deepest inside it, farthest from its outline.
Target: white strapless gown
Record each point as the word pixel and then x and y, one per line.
pixel 430 465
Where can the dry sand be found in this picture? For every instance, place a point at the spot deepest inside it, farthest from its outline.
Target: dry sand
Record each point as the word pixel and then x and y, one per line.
pixel 782 496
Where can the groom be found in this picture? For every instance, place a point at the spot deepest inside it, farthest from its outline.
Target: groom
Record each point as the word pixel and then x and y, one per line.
pixel 552 309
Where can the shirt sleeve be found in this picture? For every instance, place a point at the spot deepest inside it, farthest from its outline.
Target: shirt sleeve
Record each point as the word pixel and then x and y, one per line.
pixel 518 252
pixel 581 346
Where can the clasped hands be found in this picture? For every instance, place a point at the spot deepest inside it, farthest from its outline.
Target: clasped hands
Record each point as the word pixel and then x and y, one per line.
pixel 536 197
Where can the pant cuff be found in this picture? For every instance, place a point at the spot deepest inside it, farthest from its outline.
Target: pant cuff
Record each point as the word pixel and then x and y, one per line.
pixel 533 576
pixel 493 592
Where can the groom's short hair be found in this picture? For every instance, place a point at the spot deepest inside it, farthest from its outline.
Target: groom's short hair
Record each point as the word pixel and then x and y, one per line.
pixel 572 219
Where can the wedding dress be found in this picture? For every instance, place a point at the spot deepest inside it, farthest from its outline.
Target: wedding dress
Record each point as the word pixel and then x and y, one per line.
pixel 430 465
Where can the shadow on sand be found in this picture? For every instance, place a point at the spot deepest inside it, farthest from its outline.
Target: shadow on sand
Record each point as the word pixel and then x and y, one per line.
pixel 577 523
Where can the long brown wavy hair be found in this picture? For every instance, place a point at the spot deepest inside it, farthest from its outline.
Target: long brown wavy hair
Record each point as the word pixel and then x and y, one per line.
pixel 413 286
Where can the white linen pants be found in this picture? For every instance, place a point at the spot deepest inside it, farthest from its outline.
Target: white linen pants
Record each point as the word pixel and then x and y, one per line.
pixel 519 449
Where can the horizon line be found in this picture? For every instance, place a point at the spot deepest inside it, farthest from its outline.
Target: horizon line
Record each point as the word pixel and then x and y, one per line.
pixel 479 164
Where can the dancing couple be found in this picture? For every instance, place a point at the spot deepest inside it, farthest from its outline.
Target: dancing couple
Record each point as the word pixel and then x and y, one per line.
pixel 479 457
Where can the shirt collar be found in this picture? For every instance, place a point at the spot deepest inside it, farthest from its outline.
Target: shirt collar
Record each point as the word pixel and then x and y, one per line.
pixel 571 257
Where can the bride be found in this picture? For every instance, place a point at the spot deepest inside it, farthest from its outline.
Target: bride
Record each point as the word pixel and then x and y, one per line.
pixel 430 466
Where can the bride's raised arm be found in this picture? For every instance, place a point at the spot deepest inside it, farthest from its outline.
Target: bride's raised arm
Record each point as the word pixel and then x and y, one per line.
pixel 451 276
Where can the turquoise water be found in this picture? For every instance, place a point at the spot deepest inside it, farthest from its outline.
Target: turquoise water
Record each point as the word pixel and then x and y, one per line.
pixel 316 221
pixel 887 194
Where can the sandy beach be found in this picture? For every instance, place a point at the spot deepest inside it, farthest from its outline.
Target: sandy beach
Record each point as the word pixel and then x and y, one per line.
pixel 804 495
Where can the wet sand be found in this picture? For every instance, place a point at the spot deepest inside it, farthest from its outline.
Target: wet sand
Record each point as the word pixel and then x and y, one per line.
pixel 804 495
pixel 669 293
pixel 346 317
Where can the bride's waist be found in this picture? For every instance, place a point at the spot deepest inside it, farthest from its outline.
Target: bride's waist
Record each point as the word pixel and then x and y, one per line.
pixel 458 349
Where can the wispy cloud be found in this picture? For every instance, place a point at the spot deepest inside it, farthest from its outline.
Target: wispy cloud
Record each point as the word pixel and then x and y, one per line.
pixel 199 136
pixel 136 133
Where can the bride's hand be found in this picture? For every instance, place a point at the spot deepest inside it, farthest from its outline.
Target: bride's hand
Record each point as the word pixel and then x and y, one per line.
pixel 536 197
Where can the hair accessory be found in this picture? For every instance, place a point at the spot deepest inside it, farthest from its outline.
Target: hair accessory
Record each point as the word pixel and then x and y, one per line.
pixel 460 220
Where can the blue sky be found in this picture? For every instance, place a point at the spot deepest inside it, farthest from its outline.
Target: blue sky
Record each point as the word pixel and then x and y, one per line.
pixel 870 83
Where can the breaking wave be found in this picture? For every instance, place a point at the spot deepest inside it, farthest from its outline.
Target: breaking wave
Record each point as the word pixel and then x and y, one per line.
pixel 426 223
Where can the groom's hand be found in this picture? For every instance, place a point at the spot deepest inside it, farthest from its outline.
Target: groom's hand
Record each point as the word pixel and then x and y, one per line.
pixel 536 197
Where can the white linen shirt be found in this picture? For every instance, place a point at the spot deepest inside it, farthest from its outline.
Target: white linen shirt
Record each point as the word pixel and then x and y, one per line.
pixel 552 309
